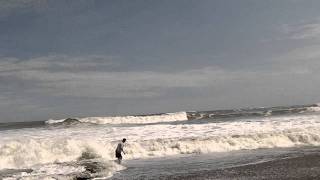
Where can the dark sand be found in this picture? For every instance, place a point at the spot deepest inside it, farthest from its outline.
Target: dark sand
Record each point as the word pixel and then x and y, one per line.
pixel 303 166
pixel 306 167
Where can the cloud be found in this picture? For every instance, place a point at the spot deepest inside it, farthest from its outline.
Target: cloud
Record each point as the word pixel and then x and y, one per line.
pixel 303 60
pixel 302 31
pixel 9 7
pixel 92 76
pixel 58 63
pixel 11 4
pixel 81 77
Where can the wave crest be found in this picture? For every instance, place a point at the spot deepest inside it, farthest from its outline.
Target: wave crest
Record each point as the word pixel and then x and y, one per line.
pixel 143 119
pixel 25 153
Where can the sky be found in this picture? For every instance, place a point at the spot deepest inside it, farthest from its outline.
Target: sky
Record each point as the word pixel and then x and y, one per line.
pixel 80 58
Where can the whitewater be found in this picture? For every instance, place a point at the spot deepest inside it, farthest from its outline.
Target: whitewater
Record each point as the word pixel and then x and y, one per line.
pixel 62 148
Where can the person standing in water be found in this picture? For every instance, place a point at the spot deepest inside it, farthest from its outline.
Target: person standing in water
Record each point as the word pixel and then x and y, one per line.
pixel 119 150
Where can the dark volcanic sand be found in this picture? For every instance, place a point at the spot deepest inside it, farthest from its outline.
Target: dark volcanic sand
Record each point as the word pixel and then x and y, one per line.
pixel 306 167
pixel 303 166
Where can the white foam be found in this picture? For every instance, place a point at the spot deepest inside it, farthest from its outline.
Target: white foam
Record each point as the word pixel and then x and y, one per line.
pixel 45 174
pixel 47 170
pixel 168 117
pixel 268 113
pixel 65 171
pixel 314 109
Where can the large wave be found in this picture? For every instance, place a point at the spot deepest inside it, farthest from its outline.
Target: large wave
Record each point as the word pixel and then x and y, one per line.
pixel 142 119
pixel 27 152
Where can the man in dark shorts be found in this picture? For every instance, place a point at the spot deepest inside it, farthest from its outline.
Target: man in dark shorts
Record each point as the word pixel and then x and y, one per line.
pixel 119 150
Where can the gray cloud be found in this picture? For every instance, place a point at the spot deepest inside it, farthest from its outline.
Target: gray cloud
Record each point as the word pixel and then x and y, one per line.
pixel 59 63
pixel 303 30
pixel 303 60
pixel 13 7
pixel 73 76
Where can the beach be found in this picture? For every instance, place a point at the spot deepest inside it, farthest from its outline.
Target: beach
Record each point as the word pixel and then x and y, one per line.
pixel 306 167
pixel 284 164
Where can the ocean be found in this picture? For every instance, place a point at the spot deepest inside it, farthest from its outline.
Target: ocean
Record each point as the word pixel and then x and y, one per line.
pixel 251 143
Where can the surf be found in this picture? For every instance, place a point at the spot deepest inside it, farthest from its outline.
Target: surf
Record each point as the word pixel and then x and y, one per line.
pixel 139 119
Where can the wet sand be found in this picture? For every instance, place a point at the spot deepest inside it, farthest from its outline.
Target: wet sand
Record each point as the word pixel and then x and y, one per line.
pixel 306 167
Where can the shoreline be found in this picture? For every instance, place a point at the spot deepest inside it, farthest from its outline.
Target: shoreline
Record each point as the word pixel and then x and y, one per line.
pixel 305 167
pixel 301 165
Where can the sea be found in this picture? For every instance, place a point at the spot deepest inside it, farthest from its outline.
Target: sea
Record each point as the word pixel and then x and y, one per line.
pixel 250 143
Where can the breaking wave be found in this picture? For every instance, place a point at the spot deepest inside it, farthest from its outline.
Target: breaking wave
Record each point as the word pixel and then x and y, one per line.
pixel 142 119
pixel 314 109
pixel 25 153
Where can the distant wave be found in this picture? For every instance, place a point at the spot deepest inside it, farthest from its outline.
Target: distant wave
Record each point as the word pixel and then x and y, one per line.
pixel 191 115
pixel 254 112
pixel 314 109
pixel 142 119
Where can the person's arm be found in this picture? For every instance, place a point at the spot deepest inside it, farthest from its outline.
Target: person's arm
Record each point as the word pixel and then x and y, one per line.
pixel 122 149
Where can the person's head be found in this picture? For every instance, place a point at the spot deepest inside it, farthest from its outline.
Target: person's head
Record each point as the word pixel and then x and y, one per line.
pixel 124 140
